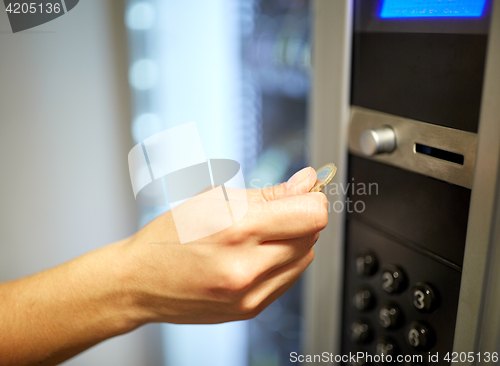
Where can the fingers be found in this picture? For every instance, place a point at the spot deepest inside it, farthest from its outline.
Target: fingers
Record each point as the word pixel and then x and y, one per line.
pixel 275 284
pixel 275 254
pixel 289 218
pixel 300 183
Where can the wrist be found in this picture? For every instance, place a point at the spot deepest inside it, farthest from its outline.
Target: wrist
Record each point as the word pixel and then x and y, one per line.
pixel 128 303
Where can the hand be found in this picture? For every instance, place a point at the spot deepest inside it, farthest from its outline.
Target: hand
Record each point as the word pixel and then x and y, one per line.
pixel 150 277
pixel 235 273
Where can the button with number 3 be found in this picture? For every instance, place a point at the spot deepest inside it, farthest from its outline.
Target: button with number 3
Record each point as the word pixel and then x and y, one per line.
pixel 423 297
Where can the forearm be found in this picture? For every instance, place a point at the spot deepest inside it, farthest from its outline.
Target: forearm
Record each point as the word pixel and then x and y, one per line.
pixel 51 316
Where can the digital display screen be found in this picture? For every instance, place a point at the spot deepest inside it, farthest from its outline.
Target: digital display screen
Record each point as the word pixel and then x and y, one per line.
pixel 431 8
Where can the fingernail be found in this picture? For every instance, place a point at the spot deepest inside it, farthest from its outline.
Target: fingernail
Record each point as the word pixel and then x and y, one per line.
pixel 299 176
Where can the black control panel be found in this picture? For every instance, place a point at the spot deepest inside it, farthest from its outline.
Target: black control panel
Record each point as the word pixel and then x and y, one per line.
pixel 397 301
pixel 401 291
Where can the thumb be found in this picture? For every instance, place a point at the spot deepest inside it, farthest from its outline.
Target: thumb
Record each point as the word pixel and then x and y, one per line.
pixel 300 183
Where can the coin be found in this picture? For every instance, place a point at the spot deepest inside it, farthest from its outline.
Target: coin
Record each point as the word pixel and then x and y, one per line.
pixel 323 176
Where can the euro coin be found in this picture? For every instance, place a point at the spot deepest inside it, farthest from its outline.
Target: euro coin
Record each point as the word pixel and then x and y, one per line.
pixel 323 176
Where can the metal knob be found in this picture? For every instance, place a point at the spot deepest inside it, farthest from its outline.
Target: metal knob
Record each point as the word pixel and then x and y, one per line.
pixel 377 141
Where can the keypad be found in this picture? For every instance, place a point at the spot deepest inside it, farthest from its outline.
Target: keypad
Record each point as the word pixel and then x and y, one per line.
pixel 390 316
pixel 394 280
pixel 398 301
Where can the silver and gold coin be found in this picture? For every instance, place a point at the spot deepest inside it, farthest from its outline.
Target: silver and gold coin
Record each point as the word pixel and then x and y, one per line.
pixel 323 176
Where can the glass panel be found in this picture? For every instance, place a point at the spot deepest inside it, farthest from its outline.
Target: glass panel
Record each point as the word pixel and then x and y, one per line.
pixel 240 70
pixel 276 63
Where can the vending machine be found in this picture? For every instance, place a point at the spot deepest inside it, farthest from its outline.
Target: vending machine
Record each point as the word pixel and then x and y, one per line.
pixel 406 101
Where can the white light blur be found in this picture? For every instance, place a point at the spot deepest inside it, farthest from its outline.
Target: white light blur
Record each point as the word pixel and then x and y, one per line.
pixel 143 74
pixel 140 16
pixel 146 125
pixel 199 52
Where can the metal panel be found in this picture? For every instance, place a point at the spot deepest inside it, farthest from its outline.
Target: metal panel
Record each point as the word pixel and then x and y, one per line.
pixel 329 122
pixel 489 331
pixel 425 213
pixel 408 133
pixel 420 76
pixel 473 335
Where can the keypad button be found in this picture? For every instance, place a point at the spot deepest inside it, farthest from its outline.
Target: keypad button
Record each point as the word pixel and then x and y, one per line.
pixel 361 332
pixel 364 299
pixel 387 347
pixel 423 297
pixel 420 336
pixel 366 264
pixel 393 280
pixel 389 316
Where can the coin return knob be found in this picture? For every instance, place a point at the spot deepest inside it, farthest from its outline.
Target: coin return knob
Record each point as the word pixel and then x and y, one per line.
pixel 377 141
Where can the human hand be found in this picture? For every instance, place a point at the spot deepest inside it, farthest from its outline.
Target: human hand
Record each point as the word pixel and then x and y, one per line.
pixel 235 273
pixel 150 277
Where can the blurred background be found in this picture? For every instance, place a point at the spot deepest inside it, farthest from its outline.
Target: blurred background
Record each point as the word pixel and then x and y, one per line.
pixel 78 92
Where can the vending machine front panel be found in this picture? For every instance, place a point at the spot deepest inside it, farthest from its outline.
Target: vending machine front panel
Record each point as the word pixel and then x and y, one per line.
pixel 417 78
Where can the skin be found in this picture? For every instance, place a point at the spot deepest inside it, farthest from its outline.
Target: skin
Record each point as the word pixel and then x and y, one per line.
pixel 232 275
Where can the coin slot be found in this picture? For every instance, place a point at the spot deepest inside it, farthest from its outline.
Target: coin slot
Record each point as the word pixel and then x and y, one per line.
pixel 439 153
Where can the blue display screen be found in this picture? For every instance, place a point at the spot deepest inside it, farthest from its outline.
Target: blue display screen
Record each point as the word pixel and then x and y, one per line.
pixel 431 8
